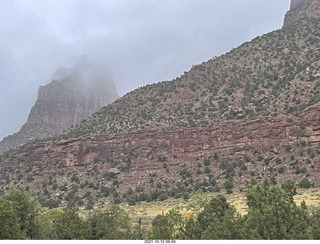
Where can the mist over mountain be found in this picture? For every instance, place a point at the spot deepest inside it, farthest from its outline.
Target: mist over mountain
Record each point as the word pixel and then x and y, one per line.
pixel 247 116
pixel 141 42
pixel 72 95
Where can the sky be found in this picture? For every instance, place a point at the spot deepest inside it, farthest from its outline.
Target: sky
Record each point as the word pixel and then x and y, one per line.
pixel 140 41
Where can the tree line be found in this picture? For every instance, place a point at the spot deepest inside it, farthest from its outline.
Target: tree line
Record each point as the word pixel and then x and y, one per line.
pixel 272 215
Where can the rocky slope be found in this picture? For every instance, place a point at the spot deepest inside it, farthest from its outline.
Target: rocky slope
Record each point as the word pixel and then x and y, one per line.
pixel 273 75
pixel 302 9
pixel 73 95
pixel 251 114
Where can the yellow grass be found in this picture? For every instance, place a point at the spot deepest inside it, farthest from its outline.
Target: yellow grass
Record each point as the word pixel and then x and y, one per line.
pixel 147 211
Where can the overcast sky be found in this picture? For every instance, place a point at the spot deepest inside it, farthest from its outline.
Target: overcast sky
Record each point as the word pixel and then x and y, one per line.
pixel 141 41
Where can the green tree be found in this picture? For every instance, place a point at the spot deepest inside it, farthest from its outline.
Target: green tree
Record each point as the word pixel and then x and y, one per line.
pixel 165 227
pixel 161 228
pixel 111 224
pixel 315 224
pixel 189 230
pixel 26 208
pixel 228 185
pixel 9 222
pixel 70 226
pixel 273 214
pixel 305 183
pixel 218 219
pixel 225 228
pixel 44 225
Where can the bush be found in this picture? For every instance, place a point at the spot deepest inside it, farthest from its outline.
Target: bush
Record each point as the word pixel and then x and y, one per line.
pixel 63 188
pixel 55 186
pixel 228 185
pixel 75 178
pixel 162 158
pixel 90 204
pixel 288 148
pixel 302 170
pixel 51 203
pixel 216 156
pixel 116 200
pixel 131 200
pixel 163 197
pixel 207 170
pixel 247 158
pixel 206 162
pixel 281 170
pixel 305 183
pixel 278 160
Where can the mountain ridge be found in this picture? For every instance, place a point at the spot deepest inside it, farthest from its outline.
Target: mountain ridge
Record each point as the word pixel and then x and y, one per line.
pixel 248 115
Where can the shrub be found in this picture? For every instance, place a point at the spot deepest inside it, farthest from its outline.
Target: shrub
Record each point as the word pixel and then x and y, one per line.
pixel 131 200
pixel 288 148
pixel 216 156
pixel 247 158
pixel 305 183
pixel 75 178
pixel 281 170
pixel 162 158
pixel 63 188
pixel 51 203
pixel 228 185
pixel 206 162
pixel 207 170
pixel 116 200
pixel 30 178
pixel 163 197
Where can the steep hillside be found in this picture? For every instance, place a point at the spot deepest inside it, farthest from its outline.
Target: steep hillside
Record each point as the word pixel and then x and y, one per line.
pixel 249 115
pixel 273 75
pixel 74 94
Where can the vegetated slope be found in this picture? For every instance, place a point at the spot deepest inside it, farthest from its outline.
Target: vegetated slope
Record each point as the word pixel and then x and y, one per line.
pixel 250 114
pixel 273 75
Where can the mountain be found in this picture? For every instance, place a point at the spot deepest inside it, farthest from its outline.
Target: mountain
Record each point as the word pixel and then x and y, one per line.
pixel 72 95
pixel 248 115
pixel 302 9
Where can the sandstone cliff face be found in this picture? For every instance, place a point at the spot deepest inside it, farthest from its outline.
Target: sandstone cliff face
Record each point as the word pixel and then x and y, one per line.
pixel 302 8
pixel 73 95
pixel 231 140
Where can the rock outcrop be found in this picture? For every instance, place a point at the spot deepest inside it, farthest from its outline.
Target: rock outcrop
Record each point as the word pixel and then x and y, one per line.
pixel 72 96
pixel 232 140
pixel 253 113
pixel 302 8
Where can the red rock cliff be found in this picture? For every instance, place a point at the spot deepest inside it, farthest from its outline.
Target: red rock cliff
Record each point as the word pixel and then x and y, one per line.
pixel 302 8
pixel 73 95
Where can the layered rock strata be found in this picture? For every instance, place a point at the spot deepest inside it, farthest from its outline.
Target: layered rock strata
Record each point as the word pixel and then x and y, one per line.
pixel 233 139
pixel 74 94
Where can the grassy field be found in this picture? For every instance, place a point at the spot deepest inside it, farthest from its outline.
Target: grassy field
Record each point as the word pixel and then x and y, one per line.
pixel 146 211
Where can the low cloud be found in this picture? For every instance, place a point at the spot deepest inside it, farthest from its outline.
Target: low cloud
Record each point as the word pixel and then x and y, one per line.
pixel 142 41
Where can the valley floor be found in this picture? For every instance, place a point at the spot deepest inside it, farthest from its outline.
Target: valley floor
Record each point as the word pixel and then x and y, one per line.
pixel 147 211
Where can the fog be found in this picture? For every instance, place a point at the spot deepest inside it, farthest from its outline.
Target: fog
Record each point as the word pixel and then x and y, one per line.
pixel 141 41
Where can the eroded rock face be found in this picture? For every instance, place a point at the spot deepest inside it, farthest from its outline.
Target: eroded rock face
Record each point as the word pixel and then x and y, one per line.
pixel 233 139
pixel 73 95
pixel 302 8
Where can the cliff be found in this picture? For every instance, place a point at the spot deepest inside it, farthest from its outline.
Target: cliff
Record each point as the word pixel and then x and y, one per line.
pixel 301 9
pixel 73 95
pixel 136 156
pixel 248 115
